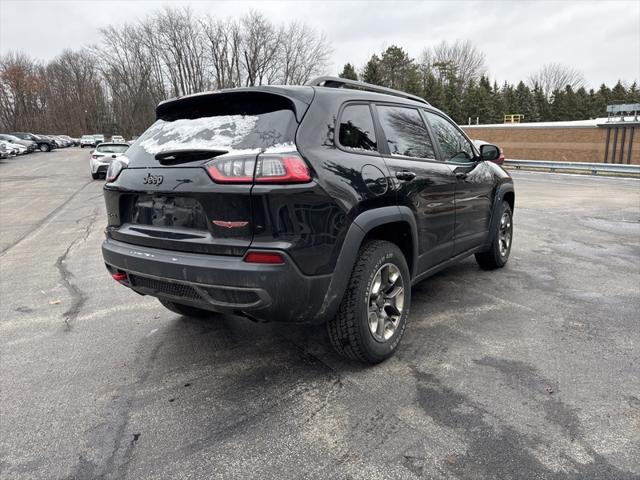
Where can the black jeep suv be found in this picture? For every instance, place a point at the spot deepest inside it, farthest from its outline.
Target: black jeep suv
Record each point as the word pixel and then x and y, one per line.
pixel 321 203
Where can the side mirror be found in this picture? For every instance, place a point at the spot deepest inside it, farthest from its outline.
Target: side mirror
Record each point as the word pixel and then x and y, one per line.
pixel 489 152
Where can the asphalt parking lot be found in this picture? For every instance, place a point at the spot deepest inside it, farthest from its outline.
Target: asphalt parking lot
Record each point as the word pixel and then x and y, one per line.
pixel 527 372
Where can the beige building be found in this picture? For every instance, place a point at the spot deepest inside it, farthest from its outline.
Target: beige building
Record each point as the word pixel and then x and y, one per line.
pixel 595 140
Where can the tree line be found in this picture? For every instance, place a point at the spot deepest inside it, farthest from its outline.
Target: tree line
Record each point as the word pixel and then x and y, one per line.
pixel 453 78
pixel 113 87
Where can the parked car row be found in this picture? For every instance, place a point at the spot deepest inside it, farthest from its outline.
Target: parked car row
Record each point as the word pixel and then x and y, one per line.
pixel 18 143
pixel 97 139
pixel 13 145
pixel 25 142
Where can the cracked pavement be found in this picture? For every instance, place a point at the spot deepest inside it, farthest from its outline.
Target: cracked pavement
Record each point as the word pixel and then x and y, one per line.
pixel 527 372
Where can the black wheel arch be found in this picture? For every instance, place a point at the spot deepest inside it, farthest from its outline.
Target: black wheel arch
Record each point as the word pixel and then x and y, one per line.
pixel 504 193
pixel 379 223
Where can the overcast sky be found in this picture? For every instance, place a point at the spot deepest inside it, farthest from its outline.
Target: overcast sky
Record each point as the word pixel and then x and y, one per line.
pixel 600 38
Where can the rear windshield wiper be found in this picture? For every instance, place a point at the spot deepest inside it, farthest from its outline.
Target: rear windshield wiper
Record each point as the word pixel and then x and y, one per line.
pixel 173 157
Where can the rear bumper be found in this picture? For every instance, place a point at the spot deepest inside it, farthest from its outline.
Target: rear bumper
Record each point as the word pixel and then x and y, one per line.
pixel 221 283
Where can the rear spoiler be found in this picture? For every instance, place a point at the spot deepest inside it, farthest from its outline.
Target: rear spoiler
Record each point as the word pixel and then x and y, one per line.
pixel 227 100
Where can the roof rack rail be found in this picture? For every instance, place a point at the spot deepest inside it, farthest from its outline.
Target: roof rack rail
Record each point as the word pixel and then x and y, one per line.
pixel 337 82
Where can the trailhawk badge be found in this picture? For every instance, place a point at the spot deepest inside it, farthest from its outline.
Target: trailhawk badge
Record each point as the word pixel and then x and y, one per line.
pixel 152 179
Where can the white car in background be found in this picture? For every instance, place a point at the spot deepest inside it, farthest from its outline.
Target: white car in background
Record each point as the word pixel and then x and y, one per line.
pixel 99 138
pixel 87 141
pixel 102 156
pixel 14 149
pixel 117 139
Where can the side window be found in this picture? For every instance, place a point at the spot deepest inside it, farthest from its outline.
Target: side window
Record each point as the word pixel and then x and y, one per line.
pixel 454 146
pixel 356 128
pixel 406 133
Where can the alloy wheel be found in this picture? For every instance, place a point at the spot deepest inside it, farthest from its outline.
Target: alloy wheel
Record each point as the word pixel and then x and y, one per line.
pixel 504 234
pixel 385 302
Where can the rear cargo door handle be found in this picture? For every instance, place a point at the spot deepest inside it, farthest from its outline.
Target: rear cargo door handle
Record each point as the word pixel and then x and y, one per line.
pixel 405 175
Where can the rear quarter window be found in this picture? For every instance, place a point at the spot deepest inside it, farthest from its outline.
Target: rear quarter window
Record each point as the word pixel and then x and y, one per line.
pixel 356 128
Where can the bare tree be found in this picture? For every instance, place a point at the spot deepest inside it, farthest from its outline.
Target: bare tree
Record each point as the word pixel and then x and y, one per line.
pixel 260 47
pixel 128 73
pixel 224 43
pixel 114 86
pixel 303 54
pixel 181 46
pixel 74 86
pixel 555 76
pixel 22 92
pixel 461 63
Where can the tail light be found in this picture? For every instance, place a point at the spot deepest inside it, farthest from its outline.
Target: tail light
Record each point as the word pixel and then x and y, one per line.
pixel 268 168
pixel 94 156
pixel 115 167
pixel 273 258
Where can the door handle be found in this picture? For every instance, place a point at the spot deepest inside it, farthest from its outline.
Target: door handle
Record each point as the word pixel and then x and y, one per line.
pixel 405 175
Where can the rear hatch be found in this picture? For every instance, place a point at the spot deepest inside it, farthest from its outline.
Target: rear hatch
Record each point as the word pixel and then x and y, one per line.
pixel 189 178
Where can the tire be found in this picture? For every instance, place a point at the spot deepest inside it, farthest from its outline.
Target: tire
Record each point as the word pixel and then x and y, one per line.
pixel 498 253
pixel 351 332
pixel 44 147
pixel 186 310
pixel 95 176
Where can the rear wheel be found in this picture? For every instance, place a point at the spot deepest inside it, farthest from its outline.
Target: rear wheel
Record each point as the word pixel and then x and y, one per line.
pixel 498 253
pixel 373 313
pixel 44 147
pixel 186 310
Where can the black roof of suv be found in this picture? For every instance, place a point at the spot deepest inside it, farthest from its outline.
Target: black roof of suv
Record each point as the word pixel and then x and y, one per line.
pixel 321 203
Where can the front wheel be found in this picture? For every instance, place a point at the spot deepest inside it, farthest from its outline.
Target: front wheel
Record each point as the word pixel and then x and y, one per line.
pixel 373 313
pixel 44 147
pixel 498 253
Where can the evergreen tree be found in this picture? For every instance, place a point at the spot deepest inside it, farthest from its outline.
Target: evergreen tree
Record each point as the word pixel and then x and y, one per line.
pixel 559 109
pixel 583 111
pixel 542 104
pixel 618 93
pixel 371 72
pixel 509 99
pixel 497 103
pixel 485 110
pixel 633 94
pixel 453 103
pixel 399 71
pixel 602 99
pixel 524 103
pixel 348 72
pixel 433 91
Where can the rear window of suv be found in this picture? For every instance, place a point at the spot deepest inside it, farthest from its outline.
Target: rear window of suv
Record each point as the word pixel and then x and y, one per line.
pixel 246 124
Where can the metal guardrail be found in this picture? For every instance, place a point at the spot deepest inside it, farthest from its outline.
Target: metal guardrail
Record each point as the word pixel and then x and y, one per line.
pixel 580 167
